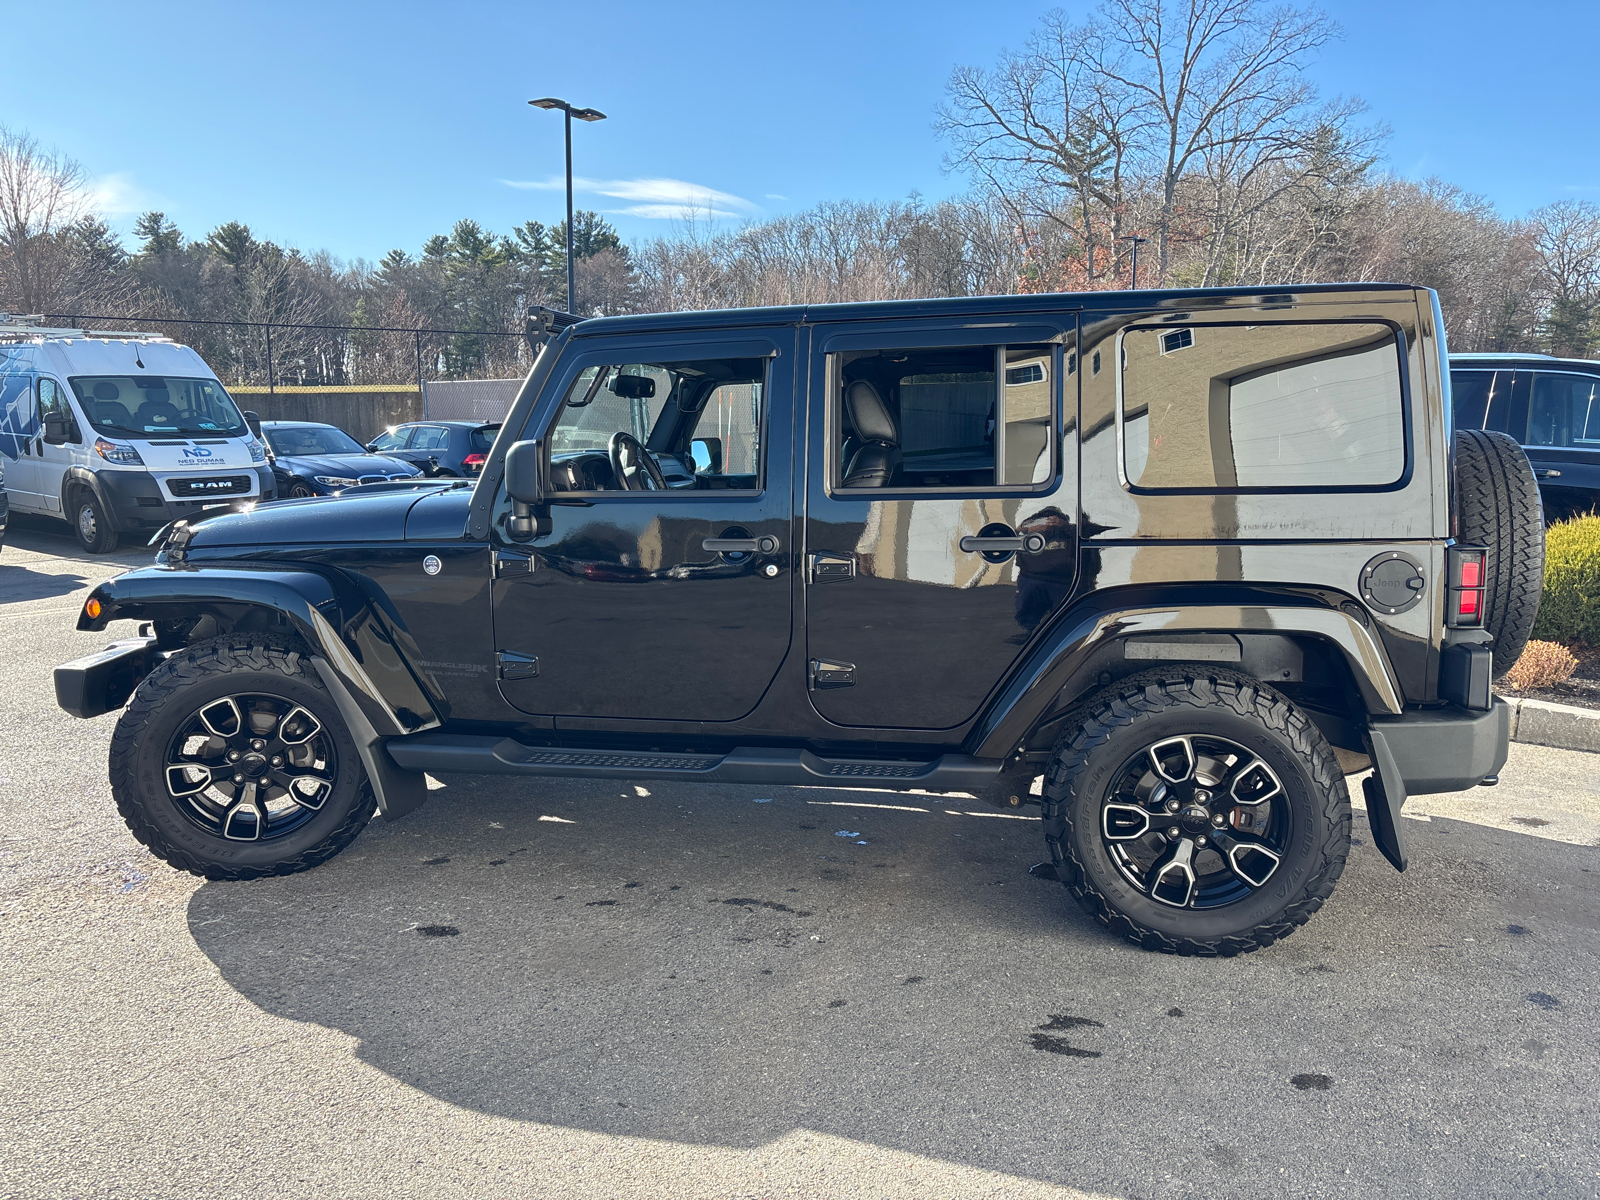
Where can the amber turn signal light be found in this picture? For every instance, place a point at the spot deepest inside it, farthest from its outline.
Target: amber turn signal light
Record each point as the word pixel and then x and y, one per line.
pixel 92 609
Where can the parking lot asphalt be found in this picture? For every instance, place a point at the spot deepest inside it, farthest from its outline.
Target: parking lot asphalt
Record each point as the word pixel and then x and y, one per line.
pixel 584 989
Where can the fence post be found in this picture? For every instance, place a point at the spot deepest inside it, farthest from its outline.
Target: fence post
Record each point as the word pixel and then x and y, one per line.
pixel 271 383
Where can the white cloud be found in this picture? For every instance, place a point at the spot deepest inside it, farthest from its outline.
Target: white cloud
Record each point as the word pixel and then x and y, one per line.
pixel 775 196
pixel 656 199
pixel 117 195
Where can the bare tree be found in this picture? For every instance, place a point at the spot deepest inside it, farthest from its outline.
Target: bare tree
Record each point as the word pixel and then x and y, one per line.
pixel 42 197
pixel 1144 101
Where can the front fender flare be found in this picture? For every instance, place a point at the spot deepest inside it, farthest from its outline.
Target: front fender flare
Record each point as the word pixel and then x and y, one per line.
pixel 352 648
pixel 1030 693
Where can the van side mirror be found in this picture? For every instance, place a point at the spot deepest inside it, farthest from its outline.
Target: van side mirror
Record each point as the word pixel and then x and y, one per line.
pixel 254 421
pixel 60 429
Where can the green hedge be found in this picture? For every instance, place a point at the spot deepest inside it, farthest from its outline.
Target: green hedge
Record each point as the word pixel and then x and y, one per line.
pixel 1570 608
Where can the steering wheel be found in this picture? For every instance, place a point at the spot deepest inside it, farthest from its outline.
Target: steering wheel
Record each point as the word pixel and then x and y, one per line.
pixel 632 465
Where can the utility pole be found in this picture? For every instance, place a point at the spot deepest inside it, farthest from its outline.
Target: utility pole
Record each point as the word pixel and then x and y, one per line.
pixel 1133 273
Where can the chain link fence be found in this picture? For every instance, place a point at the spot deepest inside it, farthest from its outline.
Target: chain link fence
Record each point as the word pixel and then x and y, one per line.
pixel 270 355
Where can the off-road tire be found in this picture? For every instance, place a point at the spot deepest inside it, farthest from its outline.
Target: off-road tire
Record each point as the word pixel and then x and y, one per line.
pixel 229 665
pixel 1147 707
pixel 94 531
pixel 1498 506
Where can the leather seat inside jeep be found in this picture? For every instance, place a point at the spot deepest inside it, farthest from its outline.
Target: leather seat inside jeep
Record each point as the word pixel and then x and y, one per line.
pixel 878 458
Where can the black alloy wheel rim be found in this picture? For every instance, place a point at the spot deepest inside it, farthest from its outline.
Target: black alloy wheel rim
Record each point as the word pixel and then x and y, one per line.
pixel 251 768
pixel 1196 821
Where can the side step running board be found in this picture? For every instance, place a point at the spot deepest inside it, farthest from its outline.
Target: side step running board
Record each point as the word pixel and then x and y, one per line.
pixel 505 756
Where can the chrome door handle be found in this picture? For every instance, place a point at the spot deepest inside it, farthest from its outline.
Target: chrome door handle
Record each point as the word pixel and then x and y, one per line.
pixel 1033 543
pixel 761 545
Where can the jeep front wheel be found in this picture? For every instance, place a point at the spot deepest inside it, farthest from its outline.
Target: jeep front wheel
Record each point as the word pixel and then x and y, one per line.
pixel 232 763
pixel 1196 811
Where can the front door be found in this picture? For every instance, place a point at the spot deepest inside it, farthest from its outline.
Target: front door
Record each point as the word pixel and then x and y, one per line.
pixel 941 513
pixel 662 590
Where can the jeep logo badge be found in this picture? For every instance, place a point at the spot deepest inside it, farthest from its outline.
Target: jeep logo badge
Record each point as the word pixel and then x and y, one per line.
pixel 431 565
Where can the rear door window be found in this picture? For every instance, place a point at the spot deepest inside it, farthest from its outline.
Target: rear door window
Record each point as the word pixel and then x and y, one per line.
pixel 430 437
pixel 1280 407
pixel 1564 410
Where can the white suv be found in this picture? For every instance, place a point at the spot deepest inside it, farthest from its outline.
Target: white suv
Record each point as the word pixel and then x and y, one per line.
pixel 120 433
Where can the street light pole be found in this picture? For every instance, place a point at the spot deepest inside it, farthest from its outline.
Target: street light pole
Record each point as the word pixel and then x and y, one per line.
pixel 1133 273
pixel 583 114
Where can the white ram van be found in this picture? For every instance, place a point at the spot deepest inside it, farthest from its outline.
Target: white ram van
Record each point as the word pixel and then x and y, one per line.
pixel 120 433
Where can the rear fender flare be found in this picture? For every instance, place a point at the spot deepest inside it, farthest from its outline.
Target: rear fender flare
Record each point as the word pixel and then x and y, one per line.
pixel 1067 652
pixel 351 648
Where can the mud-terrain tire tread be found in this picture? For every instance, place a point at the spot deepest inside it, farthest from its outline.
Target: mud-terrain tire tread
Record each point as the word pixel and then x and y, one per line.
pixel 1120 705
pixel 1498 505
pixel 231 652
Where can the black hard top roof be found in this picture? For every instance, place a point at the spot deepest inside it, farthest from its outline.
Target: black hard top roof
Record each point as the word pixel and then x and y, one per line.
pixel 959 306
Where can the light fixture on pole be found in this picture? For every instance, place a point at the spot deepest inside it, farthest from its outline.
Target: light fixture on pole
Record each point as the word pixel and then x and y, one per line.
pixel 1133 273
pixel 583 114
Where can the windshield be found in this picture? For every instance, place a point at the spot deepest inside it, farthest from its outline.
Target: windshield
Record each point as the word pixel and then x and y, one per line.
pixel 150 406
pixel 311 439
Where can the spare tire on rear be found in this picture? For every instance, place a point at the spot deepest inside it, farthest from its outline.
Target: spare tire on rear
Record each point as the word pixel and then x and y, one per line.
pixel 1497 506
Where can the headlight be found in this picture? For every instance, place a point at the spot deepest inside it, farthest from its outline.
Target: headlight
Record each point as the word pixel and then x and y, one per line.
pixel 258 452
pixel 116 452
pixel 334 481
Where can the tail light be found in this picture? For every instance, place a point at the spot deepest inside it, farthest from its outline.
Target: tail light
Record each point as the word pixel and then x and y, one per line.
pixel 474 462
pixel 1464 598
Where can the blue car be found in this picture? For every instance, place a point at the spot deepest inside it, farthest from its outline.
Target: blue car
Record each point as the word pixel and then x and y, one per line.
pixel 312 459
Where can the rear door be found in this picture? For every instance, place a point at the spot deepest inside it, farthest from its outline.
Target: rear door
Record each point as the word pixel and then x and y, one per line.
pixel 919 494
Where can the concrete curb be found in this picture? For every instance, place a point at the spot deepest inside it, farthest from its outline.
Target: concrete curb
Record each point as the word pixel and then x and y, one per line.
pixel 1564 726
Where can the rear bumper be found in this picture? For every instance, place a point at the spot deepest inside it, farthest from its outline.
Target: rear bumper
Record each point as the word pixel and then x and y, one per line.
pixel 1446 749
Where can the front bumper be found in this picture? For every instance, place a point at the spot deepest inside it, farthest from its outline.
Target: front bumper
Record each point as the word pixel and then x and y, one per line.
pixel 102 683
pixel 1446 749
pixel 137 504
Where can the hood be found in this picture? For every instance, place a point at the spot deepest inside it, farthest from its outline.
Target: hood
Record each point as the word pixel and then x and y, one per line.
pixel 346 466
pixel 210 453
pixel 323 520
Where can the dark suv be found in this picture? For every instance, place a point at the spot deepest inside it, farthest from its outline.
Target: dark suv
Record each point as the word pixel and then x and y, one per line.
pixel 439 448
pixel 1550 405
pixel 1182 553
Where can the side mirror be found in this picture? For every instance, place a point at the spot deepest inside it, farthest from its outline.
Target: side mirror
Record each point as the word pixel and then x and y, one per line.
pixel 253 420
pixel 525 472
pixel 525 479
pixel 707 453
pixel 59 429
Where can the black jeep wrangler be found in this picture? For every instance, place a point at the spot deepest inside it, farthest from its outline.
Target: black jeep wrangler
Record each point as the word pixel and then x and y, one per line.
pixel 1192 556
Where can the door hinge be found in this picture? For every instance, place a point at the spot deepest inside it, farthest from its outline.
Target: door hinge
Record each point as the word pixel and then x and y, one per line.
pixel 509 562
pixel 513 665
pixel 826 673
pixel 828 567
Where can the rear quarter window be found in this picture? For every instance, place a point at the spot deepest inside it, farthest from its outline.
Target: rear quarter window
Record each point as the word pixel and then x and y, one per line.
pixel 1282 407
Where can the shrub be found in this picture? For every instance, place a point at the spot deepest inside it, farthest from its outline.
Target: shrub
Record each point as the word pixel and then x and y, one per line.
pixel 1569 610
pixel 1541 664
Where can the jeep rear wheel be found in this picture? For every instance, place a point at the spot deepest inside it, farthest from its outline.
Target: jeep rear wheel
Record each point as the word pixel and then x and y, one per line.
pixel 232 763
pixel 1196 811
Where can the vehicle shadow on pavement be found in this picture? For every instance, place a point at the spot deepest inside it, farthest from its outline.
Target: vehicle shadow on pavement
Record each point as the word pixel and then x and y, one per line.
pixel 722 966
pixel 18 584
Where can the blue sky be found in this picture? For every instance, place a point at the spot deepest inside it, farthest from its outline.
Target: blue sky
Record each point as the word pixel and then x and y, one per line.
pixel 361 127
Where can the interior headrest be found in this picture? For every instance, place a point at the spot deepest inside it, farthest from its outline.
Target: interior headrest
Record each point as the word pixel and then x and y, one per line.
pixel 154 396
pixel 869 414
pixel 106 390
